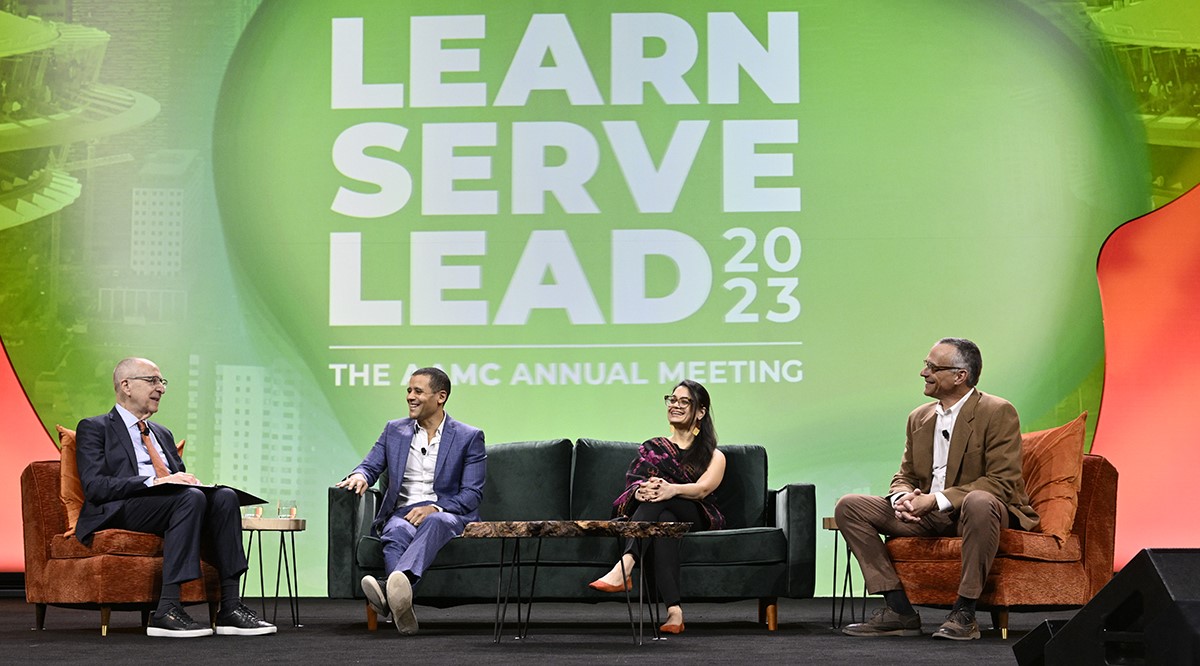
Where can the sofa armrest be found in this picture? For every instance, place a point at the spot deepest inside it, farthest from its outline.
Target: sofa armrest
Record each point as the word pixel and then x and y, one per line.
pixel 350 519
pixel 796 512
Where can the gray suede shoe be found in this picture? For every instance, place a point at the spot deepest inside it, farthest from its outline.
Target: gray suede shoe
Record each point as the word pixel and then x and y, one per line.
pixel 886 622
pixel 400 597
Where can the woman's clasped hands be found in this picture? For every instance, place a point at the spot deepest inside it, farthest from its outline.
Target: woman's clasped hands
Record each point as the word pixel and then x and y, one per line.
pixel 655 489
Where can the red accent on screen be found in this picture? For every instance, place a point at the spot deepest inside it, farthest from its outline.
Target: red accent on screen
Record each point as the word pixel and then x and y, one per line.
pixel 22 440
pixel 1149 272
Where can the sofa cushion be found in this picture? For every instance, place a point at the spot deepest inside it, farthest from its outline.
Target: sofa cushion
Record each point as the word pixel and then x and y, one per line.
pixel 1051 464
pixel 70 489
pixel 598 477
pixel 742 495
pixel 1044 547
pixel 107 542
pixel 747 545
pixel 528 481
pixel 1013 543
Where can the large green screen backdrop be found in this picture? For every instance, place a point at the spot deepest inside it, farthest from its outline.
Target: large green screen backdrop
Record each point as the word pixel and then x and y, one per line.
pixel 571 206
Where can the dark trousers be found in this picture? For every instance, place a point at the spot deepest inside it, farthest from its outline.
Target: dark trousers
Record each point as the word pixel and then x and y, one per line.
pixel 185 519
pixel 662 557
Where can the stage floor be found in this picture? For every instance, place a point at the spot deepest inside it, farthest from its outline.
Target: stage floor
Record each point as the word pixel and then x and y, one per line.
pixel 335 632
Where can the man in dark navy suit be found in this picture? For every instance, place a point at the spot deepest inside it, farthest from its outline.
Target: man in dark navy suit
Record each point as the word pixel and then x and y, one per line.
pixel 121 455
pixel 436 467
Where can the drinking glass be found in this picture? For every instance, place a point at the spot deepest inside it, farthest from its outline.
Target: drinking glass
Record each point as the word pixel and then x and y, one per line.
pixel 286 508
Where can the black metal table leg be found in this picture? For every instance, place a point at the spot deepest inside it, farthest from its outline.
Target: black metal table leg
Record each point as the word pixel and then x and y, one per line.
pixel 262 581
pixel 499 623
pixel 643 599
pixel 514 569
pixel 289 575
pixel 628 598
pixel 833 595
pixel 249 549
pixel 295 577
pixel 848 591
pixel 278 572
pixel 537 558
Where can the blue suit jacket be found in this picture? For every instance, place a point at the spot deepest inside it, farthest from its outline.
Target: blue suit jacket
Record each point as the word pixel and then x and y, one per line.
pixel 108 468
pixel 457 477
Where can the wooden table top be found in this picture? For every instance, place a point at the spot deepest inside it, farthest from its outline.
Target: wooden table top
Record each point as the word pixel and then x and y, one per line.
pixel 573 528
pixel 274 524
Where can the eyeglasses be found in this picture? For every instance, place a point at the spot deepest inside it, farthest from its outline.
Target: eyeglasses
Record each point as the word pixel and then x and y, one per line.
pixel 672 401
pixel 938 368
pixel 152 380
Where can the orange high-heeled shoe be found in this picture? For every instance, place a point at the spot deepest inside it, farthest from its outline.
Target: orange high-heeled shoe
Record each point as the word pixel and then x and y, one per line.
pixel 609 587
pixel 672 628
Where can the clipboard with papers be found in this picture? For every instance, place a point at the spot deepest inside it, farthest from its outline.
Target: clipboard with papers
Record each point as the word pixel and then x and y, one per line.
pixel 244 498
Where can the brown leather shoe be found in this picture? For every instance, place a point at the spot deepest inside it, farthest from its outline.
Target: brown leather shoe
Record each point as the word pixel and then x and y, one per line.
pixel 886 622
pixel 959 626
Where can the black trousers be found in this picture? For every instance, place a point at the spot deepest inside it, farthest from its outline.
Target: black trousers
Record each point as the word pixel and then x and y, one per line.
pixel 662 557
pixel 185 520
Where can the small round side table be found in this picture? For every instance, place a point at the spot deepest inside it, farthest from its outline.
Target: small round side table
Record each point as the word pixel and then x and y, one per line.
pixel 287 528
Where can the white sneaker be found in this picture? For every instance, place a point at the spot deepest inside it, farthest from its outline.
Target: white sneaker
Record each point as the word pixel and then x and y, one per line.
pixel 399 598
pixel 375 596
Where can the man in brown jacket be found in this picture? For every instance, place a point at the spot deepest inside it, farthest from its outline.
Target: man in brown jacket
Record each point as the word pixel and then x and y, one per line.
pixel 960 475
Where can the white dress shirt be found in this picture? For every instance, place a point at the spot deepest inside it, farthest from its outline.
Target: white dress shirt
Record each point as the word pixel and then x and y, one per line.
pixel 943 430
pixel 417 485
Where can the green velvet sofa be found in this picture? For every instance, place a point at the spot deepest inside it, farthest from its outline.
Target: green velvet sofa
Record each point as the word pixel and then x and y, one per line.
pixel 767 551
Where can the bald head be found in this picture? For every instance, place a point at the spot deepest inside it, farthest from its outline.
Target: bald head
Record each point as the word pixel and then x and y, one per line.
pixel 139 386
pixel 132 367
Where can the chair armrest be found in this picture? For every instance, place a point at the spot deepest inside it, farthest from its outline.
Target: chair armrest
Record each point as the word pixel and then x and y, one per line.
pixel 350 519
pixel 796 513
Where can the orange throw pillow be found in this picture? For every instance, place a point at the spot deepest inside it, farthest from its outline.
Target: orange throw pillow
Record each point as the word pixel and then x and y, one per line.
pixel 1052 462
pixel 70 490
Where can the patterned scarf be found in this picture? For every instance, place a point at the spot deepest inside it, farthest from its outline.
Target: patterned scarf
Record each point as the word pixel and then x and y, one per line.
pixel 660 457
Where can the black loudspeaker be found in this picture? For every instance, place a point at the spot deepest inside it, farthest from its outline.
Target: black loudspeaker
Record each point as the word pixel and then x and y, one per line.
pixel 1148 614
pixel 1031 649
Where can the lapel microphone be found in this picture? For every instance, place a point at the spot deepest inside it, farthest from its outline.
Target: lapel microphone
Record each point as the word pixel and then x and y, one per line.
pixel 423 450
pixel 946 434
pixel 145 430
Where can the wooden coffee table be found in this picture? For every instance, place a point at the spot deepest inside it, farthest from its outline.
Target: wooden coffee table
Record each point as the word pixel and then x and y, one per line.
pixel 558 529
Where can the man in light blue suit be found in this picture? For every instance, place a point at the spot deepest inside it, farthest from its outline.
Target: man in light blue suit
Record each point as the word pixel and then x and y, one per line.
pixel 435 467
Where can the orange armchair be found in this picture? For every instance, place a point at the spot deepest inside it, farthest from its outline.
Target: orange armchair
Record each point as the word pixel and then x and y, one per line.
pixel 122 570
pixel 1031 571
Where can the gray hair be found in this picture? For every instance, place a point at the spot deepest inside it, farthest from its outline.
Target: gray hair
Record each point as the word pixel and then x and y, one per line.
pixel 969 357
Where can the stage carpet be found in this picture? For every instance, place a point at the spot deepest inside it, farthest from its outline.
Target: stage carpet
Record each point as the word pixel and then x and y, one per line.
pixel 334 632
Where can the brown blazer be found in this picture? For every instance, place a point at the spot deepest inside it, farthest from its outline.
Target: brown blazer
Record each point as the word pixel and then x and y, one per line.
pixel 985 454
